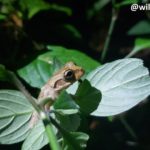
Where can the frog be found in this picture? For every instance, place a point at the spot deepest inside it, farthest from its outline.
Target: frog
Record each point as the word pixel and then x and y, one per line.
pixel 60 80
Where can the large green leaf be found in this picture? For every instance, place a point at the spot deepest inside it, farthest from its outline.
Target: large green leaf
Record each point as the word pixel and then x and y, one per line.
pixel 124 83
pixel 64 55
pixel 140 45
pixel 39 71
pixel 87 97
pixel 36 139
pixel 36 73
pixel 15 113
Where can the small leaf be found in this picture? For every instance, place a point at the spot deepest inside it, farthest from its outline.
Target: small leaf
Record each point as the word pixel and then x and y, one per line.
pixel 36 139
pixel 98 5
pixel 140 44
pixel 73 30
pixel 15 113
pixel 142 27
pixel 61 8
pixel 65 102
pixel 87 97
pixel 124 83
pixel 75 141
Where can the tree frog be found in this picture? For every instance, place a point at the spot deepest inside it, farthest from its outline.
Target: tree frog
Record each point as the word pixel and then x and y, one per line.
pixel 61 80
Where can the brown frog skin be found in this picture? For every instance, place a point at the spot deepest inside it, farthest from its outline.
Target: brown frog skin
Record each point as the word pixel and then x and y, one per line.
pixel 61 80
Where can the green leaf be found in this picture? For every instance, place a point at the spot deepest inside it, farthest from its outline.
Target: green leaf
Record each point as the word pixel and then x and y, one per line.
pixel 73 30
pixel 142 27
pixel 65 101
pixel 65 55
pixel 40 70
pixel 15 113
pixel 3 17
pixel 140 45
pixel 70 122
pixel 75 141
pixel 36 139
pixel 124 83
pixel 87 97
pixel 98 5
pixel 3 73
pixel 61 8
pixel 34 6
pixel 36 73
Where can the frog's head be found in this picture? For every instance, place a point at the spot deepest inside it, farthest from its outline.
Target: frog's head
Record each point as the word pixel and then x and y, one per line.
pixel 66 76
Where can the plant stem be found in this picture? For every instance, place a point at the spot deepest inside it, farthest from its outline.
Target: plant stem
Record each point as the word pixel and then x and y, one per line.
pixel 48 125
pixel 66 135
pixel 127 127
pixel 130 54
pixel 51 135
pixel 13 78
pixel 111 28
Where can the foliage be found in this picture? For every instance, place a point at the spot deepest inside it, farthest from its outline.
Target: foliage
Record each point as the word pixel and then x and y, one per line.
pixel 86 100
pixel 46 64
pixel 115 80
pixel 15 115
pixel 36 54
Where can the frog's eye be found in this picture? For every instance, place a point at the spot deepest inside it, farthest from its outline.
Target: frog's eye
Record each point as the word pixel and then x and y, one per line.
pixel 69 75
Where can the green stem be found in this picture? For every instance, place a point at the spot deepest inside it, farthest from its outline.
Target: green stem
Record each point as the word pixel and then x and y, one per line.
pixel 128 128
pixel 66 135
pixel 48 125
pixel 13 78
pixel 51 135
pixel 111 28
pixel 130 54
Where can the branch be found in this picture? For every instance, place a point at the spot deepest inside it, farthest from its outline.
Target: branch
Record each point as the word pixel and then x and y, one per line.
pixel 111 28
pixel 47 123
